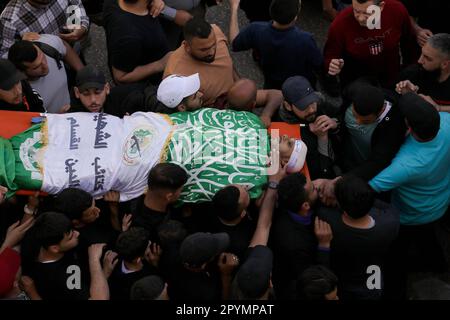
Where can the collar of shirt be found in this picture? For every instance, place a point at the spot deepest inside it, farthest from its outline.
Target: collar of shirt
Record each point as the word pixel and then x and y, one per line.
pixel 306 221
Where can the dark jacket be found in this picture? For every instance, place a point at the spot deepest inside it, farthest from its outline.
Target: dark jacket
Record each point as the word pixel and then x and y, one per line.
pixel 386 140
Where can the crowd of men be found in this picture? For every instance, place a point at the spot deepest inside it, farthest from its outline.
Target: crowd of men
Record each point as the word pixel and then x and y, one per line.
pixel 373 209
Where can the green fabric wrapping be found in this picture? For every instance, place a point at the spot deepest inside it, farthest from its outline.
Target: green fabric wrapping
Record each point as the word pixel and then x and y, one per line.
pixel 25 146
pixel 7 167
pixel 218 148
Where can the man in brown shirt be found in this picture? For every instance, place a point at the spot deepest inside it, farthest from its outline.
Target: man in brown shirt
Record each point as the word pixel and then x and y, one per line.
pixel 204 51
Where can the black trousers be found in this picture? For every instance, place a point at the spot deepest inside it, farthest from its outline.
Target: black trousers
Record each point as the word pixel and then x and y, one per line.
pixel 418 248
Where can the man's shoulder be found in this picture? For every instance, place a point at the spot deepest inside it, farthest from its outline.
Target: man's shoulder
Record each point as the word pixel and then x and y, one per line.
pixel 11 11
pixel 52 41
pixel 220 36
pixel 179 62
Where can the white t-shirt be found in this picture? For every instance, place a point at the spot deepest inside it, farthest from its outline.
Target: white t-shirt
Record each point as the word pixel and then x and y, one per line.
pixel 53 87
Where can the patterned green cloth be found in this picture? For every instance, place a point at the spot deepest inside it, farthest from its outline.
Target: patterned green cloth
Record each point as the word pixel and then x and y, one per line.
pixel 18 163
pixel 218 148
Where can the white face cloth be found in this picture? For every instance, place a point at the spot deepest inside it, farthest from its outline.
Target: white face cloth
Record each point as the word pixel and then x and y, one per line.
pixel 298 157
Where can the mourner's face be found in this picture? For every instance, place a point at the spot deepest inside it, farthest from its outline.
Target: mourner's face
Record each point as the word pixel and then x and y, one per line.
pixel 203 49
pixel 194 101
pixel 244 197
pixel 3 191
pixel 39 67
pixel 12 96
pixel 311 192
pixel 307 115
pixel 69 241
pixel 93 99
pixel 362 12
pixel 431 59
pixel 286 148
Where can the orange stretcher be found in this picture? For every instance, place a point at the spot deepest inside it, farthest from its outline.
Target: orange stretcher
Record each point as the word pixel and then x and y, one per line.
pixel 14 122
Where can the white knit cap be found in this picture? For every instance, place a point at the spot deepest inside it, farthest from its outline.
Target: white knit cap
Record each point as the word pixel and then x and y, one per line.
pixel 298 157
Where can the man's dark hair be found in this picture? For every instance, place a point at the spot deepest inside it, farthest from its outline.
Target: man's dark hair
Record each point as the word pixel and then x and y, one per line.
pixel 48 229
pixel 284 11
pixel 315 282
pixel 354 196
pixel 196 28
pixel 167 176
pixel 441 42
pixel 22 51
pixel 291 192
pixel 422 117
pixel 171 232
pixel 132 243
pixel 147 288
pixel 73 202
pixel 226 203
pixel 367 99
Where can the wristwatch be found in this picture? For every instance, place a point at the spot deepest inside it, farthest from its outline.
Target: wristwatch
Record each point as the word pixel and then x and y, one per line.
pixel 273 185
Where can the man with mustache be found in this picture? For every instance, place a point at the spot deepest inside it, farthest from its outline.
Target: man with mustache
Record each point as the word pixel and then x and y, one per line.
pixel 305 106
pixel 15 92
pixel 204 51
pixel 430 77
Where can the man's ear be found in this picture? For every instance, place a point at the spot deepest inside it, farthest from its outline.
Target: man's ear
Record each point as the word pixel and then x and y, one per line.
pixel 107 88
pixel 306 206
pixel 287 106
pixel 76 223
pixel 169 196
pixel 186 46
pixel 77 92
pixel 54 248
pixel 181 108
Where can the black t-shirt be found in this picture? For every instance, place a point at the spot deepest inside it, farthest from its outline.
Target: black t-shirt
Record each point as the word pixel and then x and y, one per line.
pixel 294 246
pixel 428 84
pixel 120 283
pixel 430 14
pixel 147 218
pixel 133 40
pixel 196 286
pixel 240 234
pixel 52 279
pixel 354 250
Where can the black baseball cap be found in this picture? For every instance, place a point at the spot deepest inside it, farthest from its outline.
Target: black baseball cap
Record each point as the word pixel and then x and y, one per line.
pixel 90 77
pixel 9 75
pixel 147 288
pixel 299 92
pixel 201 247
pixel 253 277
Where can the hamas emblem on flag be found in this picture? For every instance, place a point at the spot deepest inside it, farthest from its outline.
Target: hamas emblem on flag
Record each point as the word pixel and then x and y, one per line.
pixel 136 144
